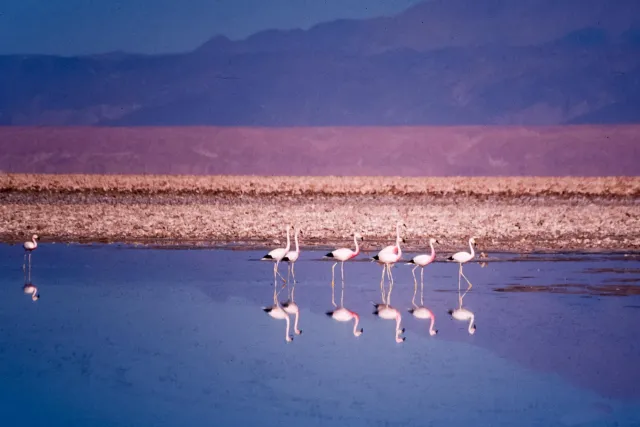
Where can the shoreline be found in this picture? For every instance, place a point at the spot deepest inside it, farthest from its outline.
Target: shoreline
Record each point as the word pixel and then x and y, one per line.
pixel 514 215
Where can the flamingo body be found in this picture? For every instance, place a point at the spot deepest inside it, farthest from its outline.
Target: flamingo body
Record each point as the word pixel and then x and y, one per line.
pixel 342 254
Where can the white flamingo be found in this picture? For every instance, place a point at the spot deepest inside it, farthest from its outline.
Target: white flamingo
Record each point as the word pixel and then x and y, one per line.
pixel 385 311
pixel 292 256
pixel 388 258
pixel 461 258
pixel 29 246
pixel 343 254
pixel 277 255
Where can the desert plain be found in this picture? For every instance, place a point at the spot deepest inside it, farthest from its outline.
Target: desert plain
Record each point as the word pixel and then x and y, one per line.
pixel 522 214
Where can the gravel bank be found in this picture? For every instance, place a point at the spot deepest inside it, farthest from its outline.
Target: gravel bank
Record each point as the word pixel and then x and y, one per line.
pixel 505 214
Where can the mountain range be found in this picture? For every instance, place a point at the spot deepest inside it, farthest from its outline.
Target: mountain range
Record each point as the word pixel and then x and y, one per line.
pixel 441 62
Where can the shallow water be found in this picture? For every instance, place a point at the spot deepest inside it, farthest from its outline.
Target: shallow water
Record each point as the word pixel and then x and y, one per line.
pixel 124 336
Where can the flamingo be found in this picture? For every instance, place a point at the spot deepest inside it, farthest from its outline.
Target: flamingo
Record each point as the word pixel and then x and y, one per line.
pixel 385 311
pixel 30 288
pixel 292 256
pixel 388 258
pixel 277 255
pixel 29 246
pixel 393 248
pixel 422 261
pixel 461 258
pixel 342 255
pixel 292 308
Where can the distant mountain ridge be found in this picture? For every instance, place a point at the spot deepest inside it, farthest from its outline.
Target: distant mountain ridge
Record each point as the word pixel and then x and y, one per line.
pixel 442 62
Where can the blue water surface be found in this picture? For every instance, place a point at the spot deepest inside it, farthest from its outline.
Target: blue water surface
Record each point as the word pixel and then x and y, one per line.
pixel 126 336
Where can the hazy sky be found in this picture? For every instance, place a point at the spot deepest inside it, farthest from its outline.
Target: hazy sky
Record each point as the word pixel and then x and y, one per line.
pixel 152 26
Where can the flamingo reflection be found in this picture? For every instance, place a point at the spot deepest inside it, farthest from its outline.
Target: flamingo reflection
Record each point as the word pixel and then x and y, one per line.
pixel 277 312
pixel 464 314
pixel 29 288
pixel 342 314
pixel 290 305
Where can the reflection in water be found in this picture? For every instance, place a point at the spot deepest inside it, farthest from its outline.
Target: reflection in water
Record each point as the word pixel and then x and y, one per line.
pixel 30 288
pixel 277 312
pixel 464 314
pixel 290 305
pixel 341 314
pixel 386 311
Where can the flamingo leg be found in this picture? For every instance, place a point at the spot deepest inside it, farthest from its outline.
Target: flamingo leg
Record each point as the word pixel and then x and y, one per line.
pixel 384 267
pixel 415 286
pixel 421 285
pixel 288 274
pixel 390 284
pixel 333 295
pixel 333 275
pixel 342 272
pixel 465 278
pixel 293 273
pixel 24 262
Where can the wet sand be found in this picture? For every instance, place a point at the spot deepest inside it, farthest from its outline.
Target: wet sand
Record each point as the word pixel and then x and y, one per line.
pixel 504 214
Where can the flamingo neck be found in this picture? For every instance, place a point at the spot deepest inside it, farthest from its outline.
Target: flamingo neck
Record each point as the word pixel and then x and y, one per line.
pixel 433 321
pixel 295 324
pixel 355 240
pixel 473 253
pixel 296 239
pixel 398 240
pixel 433 251
pixel 355 324
pixel 288 241
pixel 35 243
pixel 471 323
pixel 398 330
pixel 286 318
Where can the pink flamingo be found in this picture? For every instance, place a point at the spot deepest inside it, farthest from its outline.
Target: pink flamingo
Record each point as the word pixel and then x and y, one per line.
pixel 394 248
pixel 342 255
pixel 422 261
pixel 388 258
pixel 29 247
